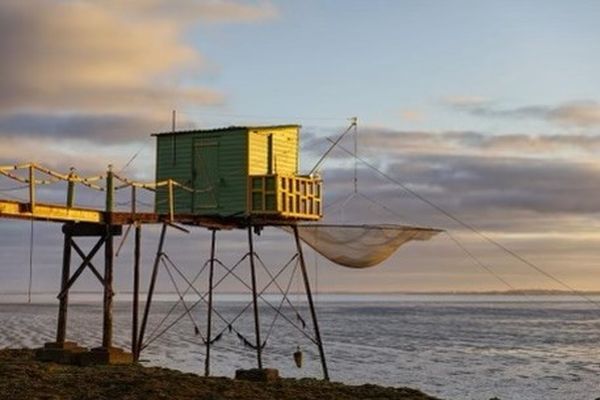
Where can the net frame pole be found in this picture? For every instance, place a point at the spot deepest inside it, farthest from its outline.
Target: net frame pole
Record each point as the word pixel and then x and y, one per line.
pixel 311 304
pixel 136 288
pixel 210 302
pixel 254 298
pixel 159 253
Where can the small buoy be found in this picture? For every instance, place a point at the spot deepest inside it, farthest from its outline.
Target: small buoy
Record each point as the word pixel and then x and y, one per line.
pixel 298 357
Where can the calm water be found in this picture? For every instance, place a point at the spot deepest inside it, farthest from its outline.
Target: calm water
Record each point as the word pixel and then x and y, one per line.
pixel 455 347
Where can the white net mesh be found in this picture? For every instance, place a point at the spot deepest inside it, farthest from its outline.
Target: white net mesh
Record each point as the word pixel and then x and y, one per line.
pixel 360 246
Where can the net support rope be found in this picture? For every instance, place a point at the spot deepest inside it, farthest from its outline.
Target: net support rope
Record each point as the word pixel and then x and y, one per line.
pixel 466 225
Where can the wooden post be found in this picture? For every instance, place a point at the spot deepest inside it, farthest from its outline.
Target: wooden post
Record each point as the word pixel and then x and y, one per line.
pixel 159 253
pixel 61 330
pixel 210 303
pixel 31 188
pixel 108 289
pixel 107 304
pixel 254 299
pixel 310 302
pixel 71 189
pixel 171 200
pixel 110 190
pixel 136 274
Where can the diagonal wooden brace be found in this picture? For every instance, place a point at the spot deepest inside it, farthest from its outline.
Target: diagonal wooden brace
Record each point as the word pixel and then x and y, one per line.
pixel 81 268
pixel 89 264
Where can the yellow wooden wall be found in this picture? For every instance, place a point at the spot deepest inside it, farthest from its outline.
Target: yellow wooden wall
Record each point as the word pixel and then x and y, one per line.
pixel 285 150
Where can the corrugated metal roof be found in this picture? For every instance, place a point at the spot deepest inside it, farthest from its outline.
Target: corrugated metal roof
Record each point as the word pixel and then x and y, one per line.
pixel 225 129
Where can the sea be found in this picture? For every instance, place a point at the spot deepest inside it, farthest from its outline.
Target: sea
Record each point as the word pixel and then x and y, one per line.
pixel 452 346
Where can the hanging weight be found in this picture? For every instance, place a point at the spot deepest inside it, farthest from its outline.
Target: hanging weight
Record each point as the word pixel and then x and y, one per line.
pixel 298 357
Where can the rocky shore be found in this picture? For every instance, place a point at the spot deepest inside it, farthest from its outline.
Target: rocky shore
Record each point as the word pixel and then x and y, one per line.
pixel 24 378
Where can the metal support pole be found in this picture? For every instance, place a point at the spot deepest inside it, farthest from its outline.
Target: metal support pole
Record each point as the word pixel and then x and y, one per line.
pixel 159 253
pixel 61 330
pixel 254 299
pixel 210 303
pixel 136 288
pixel 107 328
pixel 310 302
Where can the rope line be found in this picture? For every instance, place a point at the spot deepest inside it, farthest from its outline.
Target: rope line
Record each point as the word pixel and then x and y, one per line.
pixel 294 257
pixel 174 306
pixel 202 299
pixel 182 300
pixel 287 290
pixel 479 262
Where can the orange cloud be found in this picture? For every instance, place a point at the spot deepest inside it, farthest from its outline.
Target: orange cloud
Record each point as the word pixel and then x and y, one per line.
pixel 89 56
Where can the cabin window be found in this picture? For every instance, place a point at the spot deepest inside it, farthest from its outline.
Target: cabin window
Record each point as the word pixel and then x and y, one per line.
pixel 270 202
pixel 270 184
pixel 257 204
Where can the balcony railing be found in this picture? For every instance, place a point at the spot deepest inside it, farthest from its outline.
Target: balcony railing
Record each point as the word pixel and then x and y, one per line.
pixel 293 197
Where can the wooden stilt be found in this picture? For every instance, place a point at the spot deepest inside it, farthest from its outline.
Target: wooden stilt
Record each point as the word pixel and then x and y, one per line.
pixel 61 330
pixel 136 288
pixel 107 319
pixel 159 253
pixel 255 299
pixel 310 302
pixel 210 303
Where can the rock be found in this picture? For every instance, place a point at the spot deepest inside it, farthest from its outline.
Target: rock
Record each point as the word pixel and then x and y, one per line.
pixel 257 375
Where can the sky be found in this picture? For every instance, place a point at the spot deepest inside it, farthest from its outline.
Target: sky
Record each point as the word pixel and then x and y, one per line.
pixel 488 109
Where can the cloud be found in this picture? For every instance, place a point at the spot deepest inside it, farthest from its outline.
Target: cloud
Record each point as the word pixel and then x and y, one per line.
pixel 465 101
pixel 481 144
pixel 81 56
pixel 498 182
pixel 581 113
pixel 213 11
pixel 412 115
pixel 89 127
pixel 106 57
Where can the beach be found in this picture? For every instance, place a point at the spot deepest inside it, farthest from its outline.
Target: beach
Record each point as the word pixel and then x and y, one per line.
pixel 23 378
pixel 463 347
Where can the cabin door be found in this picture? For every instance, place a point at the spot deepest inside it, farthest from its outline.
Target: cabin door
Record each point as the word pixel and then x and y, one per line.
pixel 206 175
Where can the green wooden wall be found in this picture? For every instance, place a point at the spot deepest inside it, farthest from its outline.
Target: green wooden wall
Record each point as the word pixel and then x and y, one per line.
pixel 214 163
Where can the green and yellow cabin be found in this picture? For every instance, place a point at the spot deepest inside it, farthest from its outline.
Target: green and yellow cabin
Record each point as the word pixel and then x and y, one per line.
pixel 237 172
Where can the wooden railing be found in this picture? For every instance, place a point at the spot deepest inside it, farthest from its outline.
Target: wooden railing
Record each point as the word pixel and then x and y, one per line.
pixel 28 175
pixel 296 197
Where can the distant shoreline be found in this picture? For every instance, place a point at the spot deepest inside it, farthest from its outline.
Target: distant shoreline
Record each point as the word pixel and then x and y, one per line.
pixel 527 292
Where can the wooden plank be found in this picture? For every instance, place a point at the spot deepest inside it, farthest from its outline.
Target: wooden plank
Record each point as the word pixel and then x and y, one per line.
pixel 49 212
pixel 90 229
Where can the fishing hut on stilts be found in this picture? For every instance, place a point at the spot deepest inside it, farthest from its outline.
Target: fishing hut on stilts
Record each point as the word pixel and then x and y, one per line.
pixel 234 178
